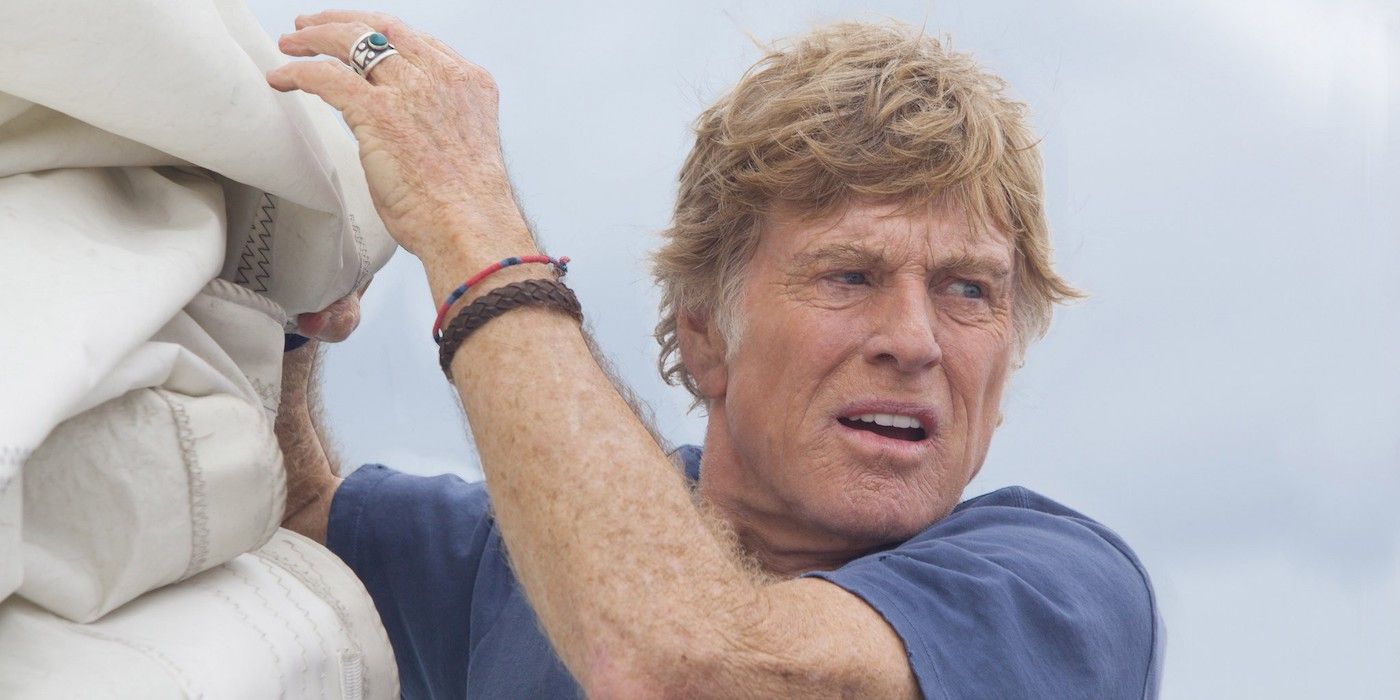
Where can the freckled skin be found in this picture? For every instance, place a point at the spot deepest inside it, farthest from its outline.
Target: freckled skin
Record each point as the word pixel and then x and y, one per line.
pixel 637 593
pixel 776 460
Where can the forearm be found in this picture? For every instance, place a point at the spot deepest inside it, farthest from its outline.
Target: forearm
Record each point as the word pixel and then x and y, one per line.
pixel 601 529
pixel 310 466
pixel 636 594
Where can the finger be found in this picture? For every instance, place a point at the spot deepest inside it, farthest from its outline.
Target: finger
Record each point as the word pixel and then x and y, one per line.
pixel 333 324
pixel 408 40
pixel 331 39
pixel 310 324
pixel 336 39
pixel 329 80
pixel 344 318
pixel 376 19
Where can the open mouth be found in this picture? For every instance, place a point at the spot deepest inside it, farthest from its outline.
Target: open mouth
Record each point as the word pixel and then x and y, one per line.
pixel 890 425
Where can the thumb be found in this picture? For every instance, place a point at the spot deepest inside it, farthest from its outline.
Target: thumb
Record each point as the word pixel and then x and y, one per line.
pixel 311 324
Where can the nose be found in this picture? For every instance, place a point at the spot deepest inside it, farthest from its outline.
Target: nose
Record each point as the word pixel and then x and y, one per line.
pixel 904 329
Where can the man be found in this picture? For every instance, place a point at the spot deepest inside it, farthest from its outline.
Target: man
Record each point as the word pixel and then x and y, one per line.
pixel 858 258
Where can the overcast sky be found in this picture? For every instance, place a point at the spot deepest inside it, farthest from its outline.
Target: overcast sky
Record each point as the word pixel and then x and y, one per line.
pixel 1223 178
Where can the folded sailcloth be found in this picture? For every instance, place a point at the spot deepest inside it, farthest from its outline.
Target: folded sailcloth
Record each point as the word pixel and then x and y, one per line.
pixel 164 214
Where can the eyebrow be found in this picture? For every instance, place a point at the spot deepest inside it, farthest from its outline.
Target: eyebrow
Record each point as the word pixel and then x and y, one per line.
pixel 861 257
pixel 845 254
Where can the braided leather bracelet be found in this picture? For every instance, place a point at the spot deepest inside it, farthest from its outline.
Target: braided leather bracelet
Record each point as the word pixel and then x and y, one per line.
pixel 533 292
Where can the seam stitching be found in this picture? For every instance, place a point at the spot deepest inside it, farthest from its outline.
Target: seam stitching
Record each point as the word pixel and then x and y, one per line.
pixel 291 598
pixel 256 258
pixel 199 515
pixel 363 272
pixel 311 578
pixel 225 290
pixel 310 575
pixel 271 396
pixel 247 620
pixel 276 561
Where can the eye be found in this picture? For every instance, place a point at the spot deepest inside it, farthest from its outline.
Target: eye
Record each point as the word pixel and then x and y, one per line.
pixel 851 278
pixel 967 290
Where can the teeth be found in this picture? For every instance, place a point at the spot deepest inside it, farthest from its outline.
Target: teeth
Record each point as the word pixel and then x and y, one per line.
pixel 890 419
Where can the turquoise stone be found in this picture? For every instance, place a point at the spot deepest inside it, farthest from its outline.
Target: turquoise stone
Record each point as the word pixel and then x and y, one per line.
pixel 378 41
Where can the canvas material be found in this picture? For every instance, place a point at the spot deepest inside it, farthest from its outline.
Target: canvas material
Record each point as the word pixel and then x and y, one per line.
pixel 165 481
pixel 186 81
pixel 155 85
pixel 97 262
pixel 11 509
pixel 142 155
pixel 288 620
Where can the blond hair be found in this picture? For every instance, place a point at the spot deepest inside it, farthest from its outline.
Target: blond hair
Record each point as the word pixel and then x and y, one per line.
pixel 850 110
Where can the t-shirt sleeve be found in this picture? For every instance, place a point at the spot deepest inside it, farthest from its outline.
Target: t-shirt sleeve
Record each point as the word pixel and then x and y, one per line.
pixel 416 543
pixel 1009 599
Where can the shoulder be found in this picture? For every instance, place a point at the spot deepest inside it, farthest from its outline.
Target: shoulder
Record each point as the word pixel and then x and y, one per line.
pixel 1025 539
pixel 1033 526
pixel 1014 581
pixel 378 481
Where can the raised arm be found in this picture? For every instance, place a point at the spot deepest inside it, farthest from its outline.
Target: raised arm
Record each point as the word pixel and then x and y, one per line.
pixel 313 472
pixel 639 593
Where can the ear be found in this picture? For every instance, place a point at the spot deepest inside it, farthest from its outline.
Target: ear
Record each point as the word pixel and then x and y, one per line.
pixel 702 350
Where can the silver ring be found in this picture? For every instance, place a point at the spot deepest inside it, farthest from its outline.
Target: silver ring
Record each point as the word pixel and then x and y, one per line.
pixel 367 51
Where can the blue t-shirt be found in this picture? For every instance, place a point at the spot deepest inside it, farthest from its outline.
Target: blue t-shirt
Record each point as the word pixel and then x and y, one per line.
pixel 1010 596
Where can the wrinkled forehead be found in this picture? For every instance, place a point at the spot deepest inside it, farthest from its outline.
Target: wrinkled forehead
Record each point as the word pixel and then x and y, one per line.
pixel 938 232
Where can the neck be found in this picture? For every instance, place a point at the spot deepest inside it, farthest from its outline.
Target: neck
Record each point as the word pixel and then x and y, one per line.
pixel 781 542
pixel 775 546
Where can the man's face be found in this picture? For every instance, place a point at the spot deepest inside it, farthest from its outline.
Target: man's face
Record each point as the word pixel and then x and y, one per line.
pixel 873 314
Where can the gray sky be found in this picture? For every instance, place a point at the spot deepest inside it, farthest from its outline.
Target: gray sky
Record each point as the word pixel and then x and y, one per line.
pixel 1222 177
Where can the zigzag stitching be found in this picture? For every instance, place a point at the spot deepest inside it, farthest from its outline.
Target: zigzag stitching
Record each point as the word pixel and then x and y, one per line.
pixel 247 620
pixel 271 396
pixel 276 560
pixel 323 589
pixel 258 249
pixel 199 516
pixel 310 577
pixel 362 273
pixel 291 598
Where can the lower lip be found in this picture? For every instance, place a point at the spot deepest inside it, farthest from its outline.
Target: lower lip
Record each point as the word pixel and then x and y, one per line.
pixel 879 445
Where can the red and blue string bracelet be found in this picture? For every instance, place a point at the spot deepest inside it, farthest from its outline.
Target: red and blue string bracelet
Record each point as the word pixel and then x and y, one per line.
pixel 561 263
